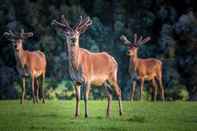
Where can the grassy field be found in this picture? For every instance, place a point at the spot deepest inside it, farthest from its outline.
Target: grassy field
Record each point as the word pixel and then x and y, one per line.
pixel 59 116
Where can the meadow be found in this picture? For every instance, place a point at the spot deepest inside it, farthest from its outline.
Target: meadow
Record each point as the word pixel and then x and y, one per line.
pixel 59 116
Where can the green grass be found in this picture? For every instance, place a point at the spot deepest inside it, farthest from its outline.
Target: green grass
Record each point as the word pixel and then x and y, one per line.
pixel 59 116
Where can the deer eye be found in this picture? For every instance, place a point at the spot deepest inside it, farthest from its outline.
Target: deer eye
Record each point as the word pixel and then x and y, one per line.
pixel 67 33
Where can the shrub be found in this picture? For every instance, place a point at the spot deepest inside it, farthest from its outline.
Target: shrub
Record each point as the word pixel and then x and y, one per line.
pixel 63 90
pixel 177 91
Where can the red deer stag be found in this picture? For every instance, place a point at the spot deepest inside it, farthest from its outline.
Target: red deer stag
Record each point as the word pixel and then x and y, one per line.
pixel 87 68
pixel 31 63
pixel 144 69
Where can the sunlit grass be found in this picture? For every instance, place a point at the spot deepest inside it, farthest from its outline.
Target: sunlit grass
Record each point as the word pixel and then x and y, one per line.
pixel 59 115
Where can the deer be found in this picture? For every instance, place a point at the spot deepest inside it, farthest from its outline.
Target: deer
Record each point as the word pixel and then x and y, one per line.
pixel 143 69
pixel 28 63
pixel 87 68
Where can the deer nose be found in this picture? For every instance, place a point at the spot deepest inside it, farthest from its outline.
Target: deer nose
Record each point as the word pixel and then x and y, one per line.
pixel 73 40
pixel 128 53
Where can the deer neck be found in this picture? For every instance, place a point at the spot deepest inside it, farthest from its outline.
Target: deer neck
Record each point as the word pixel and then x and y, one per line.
pixel 21 57
pixel 134 62
pixel 74 57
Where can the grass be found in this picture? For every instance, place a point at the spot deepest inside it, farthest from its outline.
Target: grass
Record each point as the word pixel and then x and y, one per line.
pixel 59 116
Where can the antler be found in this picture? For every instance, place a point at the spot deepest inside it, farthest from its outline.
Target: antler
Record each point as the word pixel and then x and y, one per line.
pixel 77 25
pixel 135 38
pixel 125 40
pixel 146 40
pixel 83 24
pixel 22 33
pixel 63 24
pixel 140 41
pixel 25 35
pixel 137 42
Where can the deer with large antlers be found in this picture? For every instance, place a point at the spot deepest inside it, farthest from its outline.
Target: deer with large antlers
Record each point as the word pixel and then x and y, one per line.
pixel 87 68
pixel 28 63
pixel 144 69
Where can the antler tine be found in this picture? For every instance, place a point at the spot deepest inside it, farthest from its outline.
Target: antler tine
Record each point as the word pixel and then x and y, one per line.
pixel 84 23
pixel 88 22
pixel 139 41
pixel 146 40
pixel 125 40
pixel 77 25
pixel 54 22
pixel 22 33
pixel 135 38
pixel 65 22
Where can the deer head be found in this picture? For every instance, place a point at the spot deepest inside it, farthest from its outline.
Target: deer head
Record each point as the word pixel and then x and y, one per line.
pixel 133 46
pixel 72 34
pixel 17 38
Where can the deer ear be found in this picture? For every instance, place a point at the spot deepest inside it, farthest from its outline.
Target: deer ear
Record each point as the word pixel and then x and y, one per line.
pixel 146 40
pixel 27 35
pixel 135 38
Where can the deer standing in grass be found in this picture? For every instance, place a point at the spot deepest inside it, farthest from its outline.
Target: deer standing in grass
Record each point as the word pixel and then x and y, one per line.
pixel 87 68
pixel 145 69
pixel 29 63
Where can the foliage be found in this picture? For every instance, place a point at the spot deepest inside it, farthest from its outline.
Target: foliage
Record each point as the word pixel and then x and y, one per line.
pixel 63 90
pixel 171 25
pixel 177 92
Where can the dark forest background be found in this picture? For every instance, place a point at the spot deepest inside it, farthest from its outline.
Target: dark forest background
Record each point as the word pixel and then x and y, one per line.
pixel 172 25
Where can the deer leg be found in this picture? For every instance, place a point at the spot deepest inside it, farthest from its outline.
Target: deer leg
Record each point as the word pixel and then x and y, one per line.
pixel 141 89
pixel 42 88
pixel 151 90
pixel 33 91
pixel 37 90
pixel 77 93
pixel 155 89
pixel 161 89
pixel 120 105
pixel 86 94
pixel 23 90
pixel 109 99
pixel 133 90
pixel 118 94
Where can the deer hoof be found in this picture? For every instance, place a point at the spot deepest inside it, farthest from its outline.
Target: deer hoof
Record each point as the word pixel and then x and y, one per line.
pixel 86 115
pixel 76 115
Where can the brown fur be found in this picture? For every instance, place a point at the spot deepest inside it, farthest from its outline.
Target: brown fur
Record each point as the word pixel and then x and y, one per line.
pixel 98 69
pixel 145 69
pixel 87 68
pixel 31 63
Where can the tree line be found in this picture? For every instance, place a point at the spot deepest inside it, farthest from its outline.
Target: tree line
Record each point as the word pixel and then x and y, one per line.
pixel 171 24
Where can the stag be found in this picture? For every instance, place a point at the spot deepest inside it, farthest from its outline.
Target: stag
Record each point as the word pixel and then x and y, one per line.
pixel 143 69
pixel 28 63
pixel 87 68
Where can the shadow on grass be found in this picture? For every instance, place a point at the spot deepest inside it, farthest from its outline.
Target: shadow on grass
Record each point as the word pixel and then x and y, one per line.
pixel 46 115
pixel 100 117
pixel 135 118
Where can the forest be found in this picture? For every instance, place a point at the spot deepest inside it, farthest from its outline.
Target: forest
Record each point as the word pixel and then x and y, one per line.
pixel 171 24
